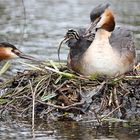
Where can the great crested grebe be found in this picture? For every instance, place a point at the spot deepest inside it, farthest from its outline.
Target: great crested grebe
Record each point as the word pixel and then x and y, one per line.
pixel 111 52
pixel 9 51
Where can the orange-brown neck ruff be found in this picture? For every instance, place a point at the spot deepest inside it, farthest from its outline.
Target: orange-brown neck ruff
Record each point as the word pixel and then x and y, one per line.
pixel 109 54
pixel 108 22
pixel 4 53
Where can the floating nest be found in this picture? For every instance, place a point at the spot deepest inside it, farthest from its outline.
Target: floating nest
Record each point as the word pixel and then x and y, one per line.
pixel 56 93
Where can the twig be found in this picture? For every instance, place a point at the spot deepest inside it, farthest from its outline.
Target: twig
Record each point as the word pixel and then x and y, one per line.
pixel 132 77
pixel 98 119
pixel 60 107
pixel 14 92
pixel 61 85
pixel 33 107
pixel 26 108
pixel 63 107
pixel 6 106
pixel 103 102
pixel 110 99
pixel 111 112
pixel 115 97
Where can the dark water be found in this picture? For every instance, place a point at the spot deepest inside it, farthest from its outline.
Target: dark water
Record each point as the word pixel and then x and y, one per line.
pixel 46 24
pixel 17 129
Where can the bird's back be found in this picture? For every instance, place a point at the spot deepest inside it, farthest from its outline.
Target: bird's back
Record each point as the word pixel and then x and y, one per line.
pixel 122 41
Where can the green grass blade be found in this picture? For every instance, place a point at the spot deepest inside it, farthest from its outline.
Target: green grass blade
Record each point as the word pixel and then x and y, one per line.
pixel 53 64
pixel 48 97
pixel 32 66
pixel 3 101
pixel 5 67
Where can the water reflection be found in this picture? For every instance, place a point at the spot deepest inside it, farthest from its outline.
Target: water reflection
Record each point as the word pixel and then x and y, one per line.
pixel 46 23
pixel 14 128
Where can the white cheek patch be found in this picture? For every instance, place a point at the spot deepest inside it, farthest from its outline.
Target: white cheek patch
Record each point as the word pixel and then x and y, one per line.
pixel 101 22
pixel 11 54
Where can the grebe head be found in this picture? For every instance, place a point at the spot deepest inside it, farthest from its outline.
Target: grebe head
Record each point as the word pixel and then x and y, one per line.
pixel 9 51
pixel 102 18
pixel 72 34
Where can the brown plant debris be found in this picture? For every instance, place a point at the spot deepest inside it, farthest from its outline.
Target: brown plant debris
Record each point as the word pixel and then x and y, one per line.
pixel 61 94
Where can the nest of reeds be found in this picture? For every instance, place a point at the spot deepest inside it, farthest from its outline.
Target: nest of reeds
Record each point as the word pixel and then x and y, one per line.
pixel 53 92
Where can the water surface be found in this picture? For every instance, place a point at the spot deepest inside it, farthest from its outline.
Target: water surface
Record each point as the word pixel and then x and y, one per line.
pixel 16 129
pixel 48 20
pixel 46 23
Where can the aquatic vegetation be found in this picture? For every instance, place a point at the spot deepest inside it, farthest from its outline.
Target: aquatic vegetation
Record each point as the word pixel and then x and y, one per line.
pixel 53 92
